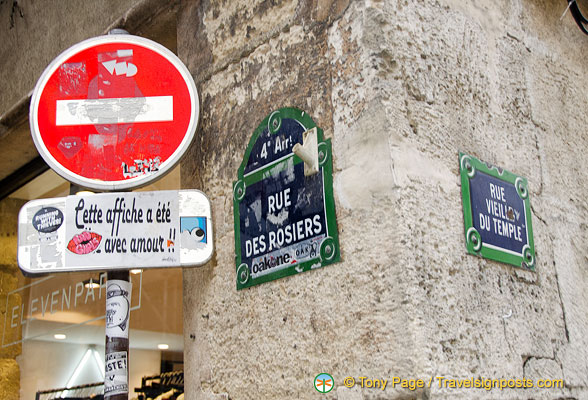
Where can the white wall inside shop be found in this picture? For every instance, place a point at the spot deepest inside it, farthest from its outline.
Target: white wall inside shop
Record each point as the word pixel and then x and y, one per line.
pixel 142 363
pixel 48 365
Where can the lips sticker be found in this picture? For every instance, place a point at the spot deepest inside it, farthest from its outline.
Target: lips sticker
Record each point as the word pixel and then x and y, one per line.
pixel 84 243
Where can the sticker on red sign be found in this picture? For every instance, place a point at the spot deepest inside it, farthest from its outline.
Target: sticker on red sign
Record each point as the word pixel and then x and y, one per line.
pixel 114 112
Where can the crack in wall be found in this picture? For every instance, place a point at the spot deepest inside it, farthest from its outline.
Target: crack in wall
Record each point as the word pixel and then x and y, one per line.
pixel 529 358
pixel 240 54
pixel 540 166
pixel 506 335
pixel 561 302
pixel 537 215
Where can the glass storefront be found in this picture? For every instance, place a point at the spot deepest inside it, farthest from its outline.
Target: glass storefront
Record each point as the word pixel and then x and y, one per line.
pixel 58 321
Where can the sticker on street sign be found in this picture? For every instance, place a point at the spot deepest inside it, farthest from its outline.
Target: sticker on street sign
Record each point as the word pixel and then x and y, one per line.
pixel 115 231
pixel 284 221
pixel 114 112
pixel 497 213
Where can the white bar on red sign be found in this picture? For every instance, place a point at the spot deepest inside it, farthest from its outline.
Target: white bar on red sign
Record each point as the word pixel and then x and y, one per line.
pixel 114 110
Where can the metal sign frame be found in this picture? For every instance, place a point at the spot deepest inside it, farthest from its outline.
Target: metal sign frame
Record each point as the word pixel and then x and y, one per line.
pixel 133 182
pixel 469 166
pixel 329 252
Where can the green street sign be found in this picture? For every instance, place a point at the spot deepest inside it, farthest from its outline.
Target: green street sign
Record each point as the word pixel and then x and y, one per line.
pixel 497 213
pixel 283 208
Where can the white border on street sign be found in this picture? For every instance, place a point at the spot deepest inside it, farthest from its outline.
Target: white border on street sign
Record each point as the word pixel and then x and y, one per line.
pixel 130 183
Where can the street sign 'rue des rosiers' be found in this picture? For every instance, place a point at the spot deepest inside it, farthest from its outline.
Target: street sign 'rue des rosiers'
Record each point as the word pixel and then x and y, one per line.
pixel 284 220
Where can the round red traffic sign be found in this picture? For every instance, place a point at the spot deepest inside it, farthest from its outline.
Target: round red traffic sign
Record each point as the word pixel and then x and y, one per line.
pixel 114 112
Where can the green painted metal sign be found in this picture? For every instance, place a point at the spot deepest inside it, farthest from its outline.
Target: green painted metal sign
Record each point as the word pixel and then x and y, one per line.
pixel 284 220
pixel 497 213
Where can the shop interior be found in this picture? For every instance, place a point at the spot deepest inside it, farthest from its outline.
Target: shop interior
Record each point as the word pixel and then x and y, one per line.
pixel 59 321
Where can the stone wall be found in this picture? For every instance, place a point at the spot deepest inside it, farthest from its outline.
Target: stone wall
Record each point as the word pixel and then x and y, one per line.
pixel 401 87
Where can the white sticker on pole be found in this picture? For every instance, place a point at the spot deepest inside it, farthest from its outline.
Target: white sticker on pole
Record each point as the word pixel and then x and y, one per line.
pixel 116 372
pixel 118 308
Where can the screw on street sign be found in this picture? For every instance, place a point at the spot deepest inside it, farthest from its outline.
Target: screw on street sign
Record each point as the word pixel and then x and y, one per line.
pixel 497 213
pixel 111 231
pixel 114 112
pixel 284 221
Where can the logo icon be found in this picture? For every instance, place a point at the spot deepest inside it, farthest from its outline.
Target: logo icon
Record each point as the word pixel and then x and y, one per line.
pixel 324 383
pixel 193 232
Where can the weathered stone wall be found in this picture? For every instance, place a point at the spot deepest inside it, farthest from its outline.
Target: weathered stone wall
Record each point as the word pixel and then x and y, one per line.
pixel 400 87
pixel 479 78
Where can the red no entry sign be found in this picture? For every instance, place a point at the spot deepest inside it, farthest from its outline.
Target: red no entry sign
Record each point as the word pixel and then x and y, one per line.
pixel 114 112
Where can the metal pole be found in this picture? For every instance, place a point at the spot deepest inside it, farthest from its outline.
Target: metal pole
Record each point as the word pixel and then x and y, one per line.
pixel 118 312
pixel 118 305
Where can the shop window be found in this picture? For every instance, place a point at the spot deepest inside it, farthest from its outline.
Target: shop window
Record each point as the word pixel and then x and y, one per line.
pixel 57 321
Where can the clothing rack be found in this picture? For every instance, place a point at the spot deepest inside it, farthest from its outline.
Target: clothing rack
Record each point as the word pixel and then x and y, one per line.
pixel 93 391
pixel 153 386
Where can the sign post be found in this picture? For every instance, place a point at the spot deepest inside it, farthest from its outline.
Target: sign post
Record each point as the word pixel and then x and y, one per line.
pixel 114 113
pixel 116 360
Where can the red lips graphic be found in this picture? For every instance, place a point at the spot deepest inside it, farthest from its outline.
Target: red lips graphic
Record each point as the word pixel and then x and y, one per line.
pixel 84 243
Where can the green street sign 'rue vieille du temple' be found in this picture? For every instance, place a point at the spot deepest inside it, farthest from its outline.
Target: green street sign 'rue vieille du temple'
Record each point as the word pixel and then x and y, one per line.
pixel 497 213
pixel 283 206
